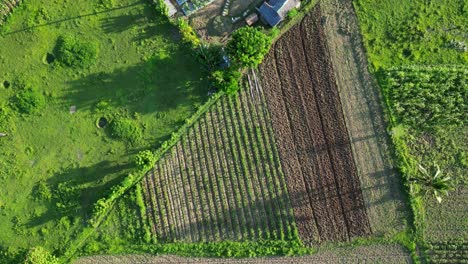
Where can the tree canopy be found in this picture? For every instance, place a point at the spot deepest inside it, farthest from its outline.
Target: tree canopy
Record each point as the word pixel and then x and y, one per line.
pixel 248 46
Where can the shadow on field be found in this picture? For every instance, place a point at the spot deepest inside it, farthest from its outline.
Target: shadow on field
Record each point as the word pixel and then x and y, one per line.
pixel 165 82
pixel 75 190
pixel 72 18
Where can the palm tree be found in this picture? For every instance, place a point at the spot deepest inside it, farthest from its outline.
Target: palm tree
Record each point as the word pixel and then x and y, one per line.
pixel 434 184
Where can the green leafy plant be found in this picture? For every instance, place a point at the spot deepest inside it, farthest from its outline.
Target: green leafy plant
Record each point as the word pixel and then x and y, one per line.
pixel 39 255
pixel 248 46
pixel 74 52
pixel 432 183
pixel 161 8
pixel 293 13
pixel 29 101
pixel 126 129
pixel 188 34
pixel 145 159
pixel 42 191
pixel 209 56
pixel 227 80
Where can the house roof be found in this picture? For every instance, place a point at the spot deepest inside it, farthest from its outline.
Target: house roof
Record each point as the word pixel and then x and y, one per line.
pixel 269 14
pixel 277 4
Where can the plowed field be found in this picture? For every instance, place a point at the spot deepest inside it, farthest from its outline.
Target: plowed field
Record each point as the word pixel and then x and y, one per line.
pixel 313 140
pixel 222 181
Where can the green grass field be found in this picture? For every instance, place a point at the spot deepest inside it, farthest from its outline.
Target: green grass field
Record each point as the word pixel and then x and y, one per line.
pixel 399 32
pixel 141 73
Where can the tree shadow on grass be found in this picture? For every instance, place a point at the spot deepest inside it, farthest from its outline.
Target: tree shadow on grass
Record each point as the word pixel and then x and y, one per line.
pixel 169 80
pixel 122 23
pixel 75 190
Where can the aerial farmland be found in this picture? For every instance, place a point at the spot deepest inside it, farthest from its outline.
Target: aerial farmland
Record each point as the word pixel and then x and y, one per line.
pixel 232 131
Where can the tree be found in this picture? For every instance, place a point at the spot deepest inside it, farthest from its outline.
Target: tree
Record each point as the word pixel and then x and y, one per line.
pixel 248 46
pixel 145 159
pixel 434 184
pixel 38 255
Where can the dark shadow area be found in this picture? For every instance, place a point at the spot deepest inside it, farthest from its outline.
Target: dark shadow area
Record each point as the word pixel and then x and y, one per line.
pixel 121 23
pixel 75 190
pixel 162 83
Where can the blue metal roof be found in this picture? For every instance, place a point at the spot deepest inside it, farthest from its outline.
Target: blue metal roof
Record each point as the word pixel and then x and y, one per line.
pixel 181 2
pixel 269 14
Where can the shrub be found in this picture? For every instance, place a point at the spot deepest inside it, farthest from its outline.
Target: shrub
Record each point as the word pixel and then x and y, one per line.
pixel 38 255
pixel 161 8
pixel 29 101
pixel 188 34
pixel 293 12
pixel 248 46
pixel 42 191
pixel 145 159
pixel 126 129
pixel 210 56
pixel 227 81
pixel 76 53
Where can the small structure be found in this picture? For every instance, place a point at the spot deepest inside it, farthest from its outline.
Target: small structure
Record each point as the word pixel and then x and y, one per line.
pixel 273 12
pixel 3 134
pixel 251 19
pixel 171 9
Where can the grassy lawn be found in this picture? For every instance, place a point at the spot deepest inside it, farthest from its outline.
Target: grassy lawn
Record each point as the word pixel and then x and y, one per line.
pixel 141 73
pixel 398 32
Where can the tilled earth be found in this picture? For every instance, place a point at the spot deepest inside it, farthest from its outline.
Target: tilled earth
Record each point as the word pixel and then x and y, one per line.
pixel 313 140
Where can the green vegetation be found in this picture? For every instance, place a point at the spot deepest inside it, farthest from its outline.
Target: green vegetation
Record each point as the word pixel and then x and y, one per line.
pixel 127 130
pixel 293 13
pixel 425 98
pixel 29 101
pixel 56 163
pixel 248 46
pixel 73 52
pixel 145 160
pixel 435 184
pixel 426 104
pixel 38 255
pixel 227 80
pixel 402 32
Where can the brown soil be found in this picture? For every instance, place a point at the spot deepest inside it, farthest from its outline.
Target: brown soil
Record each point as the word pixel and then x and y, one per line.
pixel 361 102
pixel 314 148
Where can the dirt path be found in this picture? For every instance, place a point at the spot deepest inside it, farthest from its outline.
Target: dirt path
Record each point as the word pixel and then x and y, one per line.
pixel 360 98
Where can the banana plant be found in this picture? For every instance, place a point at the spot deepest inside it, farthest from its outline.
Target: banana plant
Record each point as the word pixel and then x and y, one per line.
pixel 432 183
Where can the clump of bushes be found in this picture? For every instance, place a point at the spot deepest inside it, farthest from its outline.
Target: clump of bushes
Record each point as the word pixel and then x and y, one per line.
pixel 161 8
pixel 39 255
pixel 74 52
pixel 145 159
pixel 293 13
pixel 227 80
pixel 29 101
pixel 42 191
pixel 126 129
pixel 188 34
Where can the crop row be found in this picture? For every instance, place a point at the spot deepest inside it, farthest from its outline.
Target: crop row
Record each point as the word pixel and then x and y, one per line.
pixel 6 7
pixel 222 180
